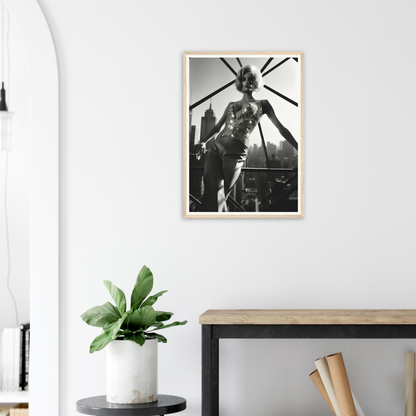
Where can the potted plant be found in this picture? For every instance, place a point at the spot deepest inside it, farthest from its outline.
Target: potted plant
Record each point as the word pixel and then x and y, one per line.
pixel 131 340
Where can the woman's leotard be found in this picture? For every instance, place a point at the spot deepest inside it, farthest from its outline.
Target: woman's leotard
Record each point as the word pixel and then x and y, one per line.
pixel 240 128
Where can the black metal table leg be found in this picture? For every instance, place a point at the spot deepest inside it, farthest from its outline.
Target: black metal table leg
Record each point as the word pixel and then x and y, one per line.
pixel 210 372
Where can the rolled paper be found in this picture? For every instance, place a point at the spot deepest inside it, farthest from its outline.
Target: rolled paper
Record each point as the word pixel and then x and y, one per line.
pixel 357 406
pixel 341 384
pixel 409 406
pixel 323 370
pixel 317 380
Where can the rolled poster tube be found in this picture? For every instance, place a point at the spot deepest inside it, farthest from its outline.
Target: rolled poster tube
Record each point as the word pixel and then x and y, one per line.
pixel 409 407
pixel 341 384
pixel 323 370
pixel 317 380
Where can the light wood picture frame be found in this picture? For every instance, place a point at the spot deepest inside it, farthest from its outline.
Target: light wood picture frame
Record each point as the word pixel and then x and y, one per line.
pixel 249 166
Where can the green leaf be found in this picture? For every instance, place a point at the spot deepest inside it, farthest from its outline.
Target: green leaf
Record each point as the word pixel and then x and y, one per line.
pixel 151 300
pixel 173 324
pixel 127 333
pixel 101 315
pixel 124 324
pixel 112 329
pixel 100 342
pixel 148 316
pixel 141 318
pixel 133 321
pixel 163 316
pixel 160 338
pixel 138 338
pixel 118 296
pixel 143 286
pixel 157 325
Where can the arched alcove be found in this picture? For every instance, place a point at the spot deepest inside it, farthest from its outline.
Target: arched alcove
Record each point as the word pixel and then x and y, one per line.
pixel 44 206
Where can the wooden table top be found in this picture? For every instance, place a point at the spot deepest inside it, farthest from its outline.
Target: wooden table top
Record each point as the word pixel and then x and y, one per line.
pixel 308 317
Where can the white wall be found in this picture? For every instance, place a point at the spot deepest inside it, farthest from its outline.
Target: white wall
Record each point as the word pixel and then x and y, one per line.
pixel 121 192
pixel 17 85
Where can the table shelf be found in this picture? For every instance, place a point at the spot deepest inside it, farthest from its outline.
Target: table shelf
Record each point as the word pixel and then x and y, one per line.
pixel 14 397
pixel 308 317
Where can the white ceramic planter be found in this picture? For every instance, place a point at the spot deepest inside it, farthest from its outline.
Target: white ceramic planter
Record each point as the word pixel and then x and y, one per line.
pixel 132 372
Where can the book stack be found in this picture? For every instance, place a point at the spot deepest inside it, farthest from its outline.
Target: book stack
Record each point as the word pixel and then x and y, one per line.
pixel 331 380
pixel 14 358
pixel 410 396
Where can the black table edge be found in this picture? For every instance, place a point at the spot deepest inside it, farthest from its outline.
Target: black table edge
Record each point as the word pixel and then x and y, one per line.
pixel 98 406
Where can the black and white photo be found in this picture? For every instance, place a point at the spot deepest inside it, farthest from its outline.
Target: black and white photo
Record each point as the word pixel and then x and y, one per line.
pixel 243 135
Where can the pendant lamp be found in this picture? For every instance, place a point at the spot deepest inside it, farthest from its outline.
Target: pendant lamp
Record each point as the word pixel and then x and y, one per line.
pixel 5 121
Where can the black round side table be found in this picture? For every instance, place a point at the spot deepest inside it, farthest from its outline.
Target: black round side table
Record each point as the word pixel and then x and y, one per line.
pixel 99 406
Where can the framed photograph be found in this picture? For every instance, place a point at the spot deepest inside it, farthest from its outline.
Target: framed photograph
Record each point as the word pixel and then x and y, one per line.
pixel 243 145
